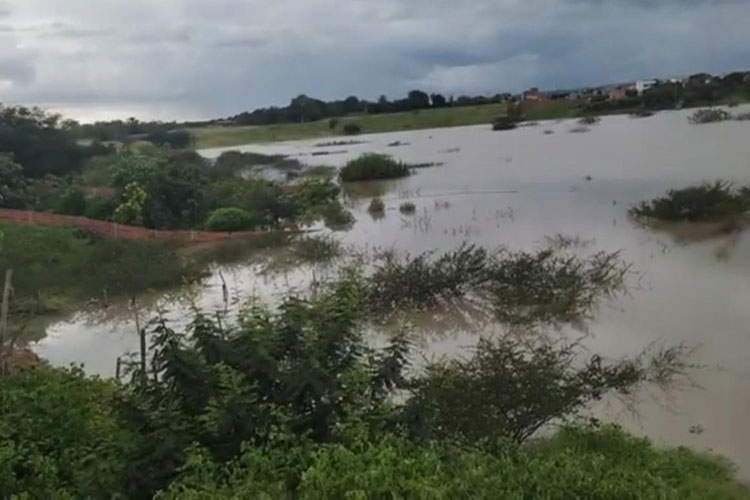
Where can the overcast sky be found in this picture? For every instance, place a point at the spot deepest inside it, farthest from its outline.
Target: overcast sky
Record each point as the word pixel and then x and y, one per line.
pixel 95 59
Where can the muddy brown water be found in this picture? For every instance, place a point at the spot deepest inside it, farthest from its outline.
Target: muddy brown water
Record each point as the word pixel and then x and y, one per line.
pixel 514 188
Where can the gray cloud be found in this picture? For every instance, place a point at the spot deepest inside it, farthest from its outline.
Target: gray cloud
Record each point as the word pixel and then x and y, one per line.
pixel 204 59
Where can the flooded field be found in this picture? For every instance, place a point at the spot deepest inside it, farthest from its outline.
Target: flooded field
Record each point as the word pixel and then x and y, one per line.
pixel 518 189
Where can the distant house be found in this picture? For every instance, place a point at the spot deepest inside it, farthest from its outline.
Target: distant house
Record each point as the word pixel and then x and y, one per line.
pixel 617 92
pixel 643 85
pixel 532 95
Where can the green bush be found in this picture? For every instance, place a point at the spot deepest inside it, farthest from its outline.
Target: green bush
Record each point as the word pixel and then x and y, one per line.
pixel 373 166
pixel 336 217
pixel 707 202
pixel 230 219
pixel 504 123
pixel 101 208
pixel 407 208
pixel 60 436
pixel 352 128
pixel 709 115
pixel 377 207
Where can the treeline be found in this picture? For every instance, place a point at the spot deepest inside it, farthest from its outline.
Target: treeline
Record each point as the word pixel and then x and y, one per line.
pixel 303 108
pixel 701 89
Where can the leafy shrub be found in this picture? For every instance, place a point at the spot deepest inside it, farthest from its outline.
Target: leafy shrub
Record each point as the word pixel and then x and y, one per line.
pixel 377 207
pixel 101 208
pixel 373 166
pixel 709 115
pixel 333 123
pixel 72 202
pixel 706 202
pixel 60 436
pixel 529 288
pixel 512 386
pixel 503 123
pixel 642 113
pixel 579 462
pixel 351 128
pixel 230 219
pixel 336 217
pixel 742 117
pixel 407 208
pixel 589 120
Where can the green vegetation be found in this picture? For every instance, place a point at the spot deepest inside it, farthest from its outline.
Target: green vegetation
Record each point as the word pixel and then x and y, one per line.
pixel 55 267
pixel 589 120
pixel 373 166
pixel 316 249
pixel 216 136
pixel 710 115
pixel 377 206
pixel 707 202
pixel 518 288
pixel 351 128
pixel 230 219
pixel 407 208
pixel 294 403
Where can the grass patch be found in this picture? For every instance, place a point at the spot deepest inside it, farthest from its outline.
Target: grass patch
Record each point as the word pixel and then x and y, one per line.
pixel 589 120
pixel 704 203
pixel 373 166
pixel 56 268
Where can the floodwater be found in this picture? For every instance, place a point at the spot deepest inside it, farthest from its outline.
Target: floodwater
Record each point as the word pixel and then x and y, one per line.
pixel 513 188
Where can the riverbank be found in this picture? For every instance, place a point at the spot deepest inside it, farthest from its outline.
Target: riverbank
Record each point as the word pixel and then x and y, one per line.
pixel 218 136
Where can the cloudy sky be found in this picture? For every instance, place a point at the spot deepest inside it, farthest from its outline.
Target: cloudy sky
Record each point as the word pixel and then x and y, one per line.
pixel 163 59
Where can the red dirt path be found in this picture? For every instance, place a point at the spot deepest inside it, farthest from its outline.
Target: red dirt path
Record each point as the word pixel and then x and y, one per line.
pixel 117 231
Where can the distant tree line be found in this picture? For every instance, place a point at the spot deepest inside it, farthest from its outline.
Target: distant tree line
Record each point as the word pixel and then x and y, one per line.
pixel 304 109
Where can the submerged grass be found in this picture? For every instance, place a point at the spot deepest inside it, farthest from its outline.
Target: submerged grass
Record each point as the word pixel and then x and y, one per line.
pixel 709 115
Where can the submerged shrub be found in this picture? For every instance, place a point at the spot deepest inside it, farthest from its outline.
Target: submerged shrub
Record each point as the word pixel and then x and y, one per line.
pixel 709 115
pixel 407 208
pixel 589 120
pixel 316 248
pixel 377 207
pixel 518 288
pixel 230 219
pixel 706 202
pixel 373 166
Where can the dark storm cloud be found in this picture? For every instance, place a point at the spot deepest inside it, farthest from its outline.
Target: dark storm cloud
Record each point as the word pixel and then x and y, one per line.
pixel 221 57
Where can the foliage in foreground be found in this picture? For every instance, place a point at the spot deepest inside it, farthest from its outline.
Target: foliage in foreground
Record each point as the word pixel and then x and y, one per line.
pixel 580 462
pixel 295 402
pixel 707 202
pixel 373 166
